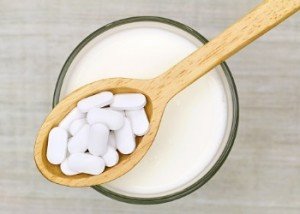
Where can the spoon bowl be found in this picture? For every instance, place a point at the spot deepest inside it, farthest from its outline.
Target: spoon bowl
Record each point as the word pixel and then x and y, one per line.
pixel 161 89
pixel 154 110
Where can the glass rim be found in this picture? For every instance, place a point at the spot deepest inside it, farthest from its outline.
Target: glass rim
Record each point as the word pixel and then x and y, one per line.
pixel 235 110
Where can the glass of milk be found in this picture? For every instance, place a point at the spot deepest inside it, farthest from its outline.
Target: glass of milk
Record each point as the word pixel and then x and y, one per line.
pixel 199 125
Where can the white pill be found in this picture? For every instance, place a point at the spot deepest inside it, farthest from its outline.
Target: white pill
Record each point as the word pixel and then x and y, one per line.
pixel 131 101
pixel 64 167
pixel 57 145
pixel 111 157
pixel 86 163
pixel 98 100
pixel 112 139
pixel 112 119
pixel 79 142
pixel 120 111
pixel 139 121
pixel 73 115
pixel 125 138
pixel 76 125
pixel 98 139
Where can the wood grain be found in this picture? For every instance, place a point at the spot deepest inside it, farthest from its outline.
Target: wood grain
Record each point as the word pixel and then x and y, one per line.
pixel 253 25
pixel 261 174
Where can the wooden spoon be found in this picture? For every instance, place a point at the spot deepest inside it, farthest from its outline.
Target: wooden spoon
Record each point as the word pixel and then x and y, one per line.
pixel 160 89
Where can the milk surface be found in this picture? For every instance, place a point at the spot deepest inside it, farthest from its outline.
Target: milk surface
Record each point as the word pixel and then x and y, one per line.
pixel 194 123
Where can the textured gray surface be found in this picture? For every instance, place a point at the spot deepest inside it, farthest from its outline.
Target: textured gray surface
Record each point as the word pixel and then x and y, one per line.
pixel 262 173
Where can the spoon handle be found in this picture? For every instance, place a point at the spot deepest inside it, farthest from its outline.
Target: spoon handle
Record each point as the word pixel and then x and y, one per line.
pixel 257 22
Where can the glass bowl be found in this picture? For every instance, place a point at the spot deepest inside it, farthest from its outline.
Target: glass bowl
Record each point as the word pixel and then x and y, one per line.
pixel 232 100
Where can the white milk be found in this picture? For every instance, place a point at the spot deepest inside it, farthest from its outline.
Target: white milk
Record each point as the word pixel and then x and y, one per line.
pixel 194 123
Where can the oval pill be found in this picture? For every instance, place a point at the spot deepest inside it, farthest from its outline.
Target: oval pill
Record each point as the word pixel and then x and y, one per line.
pixel 73 115
pixel 128 101
pixel 57 145
pixel 112 119
pixel 76 125
pixel 111 157
pixel 139 121
pixel 98 139
pixel 98 100
pixel 64 167
pixel 120 111
pixel 86 163
pixel 125 138
pixel 79 142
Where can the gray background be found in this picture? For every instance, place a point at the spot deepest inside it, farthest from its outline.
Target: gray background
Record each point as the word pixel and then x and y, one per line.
pixel 262 173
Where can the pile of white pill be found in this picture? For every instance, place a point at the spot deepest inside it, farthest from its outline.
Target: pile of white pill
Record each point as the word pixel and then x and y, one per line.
pixel 88 139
